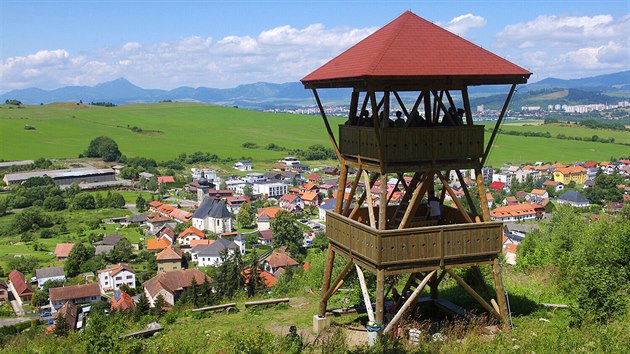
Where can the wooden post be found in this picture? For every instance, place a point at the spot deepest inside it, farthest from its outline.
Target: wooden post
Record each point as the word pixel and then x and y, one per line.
pixel 370 203
pixel 401 104
pixel 469 119
pixel 343 176
pixel 427 106
pixel 418 193
pixel 382 211
pixel 385 109
pixel 359 202
pixel 353 190
pixel 433 286
pixel 330 259
pixel 481 187
pixel 415 108
pixel 380 296
pixel 410 301
pixel 366 294
pixel 354 103
pixel 338 280
pixel 474 294
pixel 330 133
pixel 496 127
pixel 498 285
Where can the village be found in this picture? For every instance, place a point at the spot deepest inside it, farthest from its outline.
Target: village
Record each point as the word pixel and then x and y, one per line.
pixel 186 237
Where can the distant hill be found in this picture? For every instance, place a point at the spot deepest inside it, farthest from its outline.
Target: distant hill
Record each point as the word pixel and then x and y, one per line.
pixel 263 95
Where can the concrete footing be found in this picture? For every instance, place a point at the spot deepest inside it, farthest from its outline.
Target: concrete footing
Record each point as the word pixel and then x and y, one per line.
pixel 320 323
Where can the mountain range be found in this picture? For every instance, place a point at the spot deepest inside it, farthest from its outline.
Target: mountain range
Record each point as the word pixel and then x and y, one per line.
pixel 263 95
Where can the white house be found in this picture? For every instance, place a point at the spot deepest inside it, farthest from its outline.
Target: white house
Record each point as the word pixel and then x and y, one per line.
pixel 188 235
pixel 52 273
pixel 243 165
pixel 574 199
pixel 213 215
pixel 252 178
pixel 270 189
pixel 111 278
pixel 207 173
pixel 290 161
pixel 236 185
pixel 210 255
pixel 503 177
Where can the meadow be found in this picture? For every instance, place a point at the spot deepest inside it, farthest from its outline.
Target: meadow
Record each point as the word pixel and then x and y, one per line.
pixel 64 130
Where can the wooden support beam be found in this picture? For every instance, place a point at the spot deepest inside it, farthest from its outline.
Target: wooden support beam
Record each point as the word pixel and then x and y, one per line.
pixel 410 301
pixel 415 108
pixel 477 274
pixel 333 288
pixel 353 190
pixel 474 294
pixel 370 202
pixel 427 107
pixel 359 202
pixel 330 133
pixel 450 99
pixel 473 208
pixel 401 178
pixel 389 199
pixel 385 111
pixel 377 131
pixel 481 187
pixel 401 104
pixel 330 259
pixel 380 296
pixel 443 193
pixel 418 193
pixel 458 202
pixel 366 294
pixel 343 176
pixel 498 285
pixel 496 126
pixel 365 102
pixel 382 208
pixel 447 115
pixel 467 109
pixel 433 286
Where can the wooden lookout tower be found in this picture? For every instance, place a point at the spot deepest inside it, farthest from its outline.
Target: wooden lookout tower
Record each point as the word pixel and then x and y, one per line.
pixel 435 135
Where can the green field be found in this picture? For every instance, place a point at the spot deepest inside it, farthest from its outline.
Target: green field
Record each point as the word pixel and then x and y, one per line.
pixel 64 130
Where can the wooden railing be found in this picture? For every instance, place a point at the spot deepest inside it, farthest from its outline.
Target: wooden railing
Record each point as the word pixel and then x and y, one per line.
pixel 412 144
pixel 438 244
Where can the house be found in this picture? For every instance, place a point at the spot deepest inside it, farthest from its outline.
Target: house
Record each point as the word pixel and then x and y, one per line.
pixel 113 277
pixel 4 291
pixel 234 203
pixel 169 259
pixel 278 260
pixel 212 215
pixel 166 232
pixel 310 198
pixel 243 165
pixel 309 187
pixel 52 273
pixel 264 217
pixel 191 233
pixel 22 290
pixel 156 221
pixel 112 239
pixel 180 216
pixel 570 174
pixel 267 278
pixel 517 232
pixel 510 200
pixel 613 207
pixel 154 244
pixel 290 161
pixel 62 250
pixel 139 219
pixel 497 186
pixel 537 194
pixel 77 294
pixel 331 171
pixel 272 176
pixel 518 212
pixel 289 202
pixel 171 284
pixel 557 186
pixel 270 189
pixel 122 302
pixel 504 177
pixel 70 314
pixel 489 200
pixel 574 199
pixel 252 178
pixel 165 179
pixel 210 255
pixel 328 205
pixel 265 237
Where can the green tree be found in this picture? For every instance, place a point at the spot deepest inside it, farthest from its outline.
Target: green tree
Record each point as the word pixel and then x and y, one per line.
pixel 248 191
pixel 141 204
pixel 142 306
pixel 320 241
pixel 245 215
pixel 128 173
pixel 116 200
pixel 229 280
pixel 79 254
pixel 83 201
pixel 254 282
pixel 158 308
pixel 31 219
pixel 104 147
pixel 285 230
pixel 39 298
pixel 61 326
pixel 223 185
pixel 72 190
pixel 121 253
pixel 152 184
pixel 54 203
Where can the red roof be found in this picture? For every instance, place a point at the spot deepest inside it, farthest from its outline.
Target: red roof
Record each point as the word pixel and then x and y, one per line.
pixel 155 244
pixel 278 259
pixel 62 250
pixel 412 47
pixel 65 293
pixel 497 185
pixel 166 179
pixel 122 301
pixel 192 230
pixel 19 283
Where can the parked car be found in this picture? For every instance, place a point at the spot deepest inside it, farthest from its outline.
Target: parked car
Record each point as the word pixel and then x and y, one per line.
pixel 45 314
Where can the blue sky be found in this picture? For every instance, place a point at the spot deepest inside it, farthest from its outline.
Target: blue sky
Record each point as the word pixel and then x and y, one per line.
pixel 167 44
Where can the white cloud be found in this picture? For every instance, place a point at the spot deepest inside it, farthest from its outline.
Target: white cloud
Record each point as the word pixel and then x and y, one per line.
pixel 279 54
pixel 461 24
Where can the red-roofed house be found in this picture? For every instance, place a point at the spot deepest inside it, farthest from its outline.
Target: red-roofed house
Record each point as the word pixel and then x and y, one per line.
pixel 268 279
pixel 309 187
pixel 154 244
pixel 277 260
pixel 497 186
pixel 169 259
pixel 190 234
pixel 570 174
pixel 310 198
pixel 18 285
pixel 62 250
pixel 122 302
pixel 77 294
pixel 165 179
pixel 171 284
pixel 264 217
pixel 518 212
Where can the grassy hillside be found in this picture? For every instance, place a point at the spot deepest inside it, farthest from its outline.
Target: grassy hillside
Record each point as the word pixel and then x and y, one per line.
pixel 64 130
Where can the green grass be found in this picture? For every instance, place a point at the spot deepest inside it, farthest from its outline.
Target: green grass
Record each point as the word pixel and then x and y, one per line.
pixel 65 130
